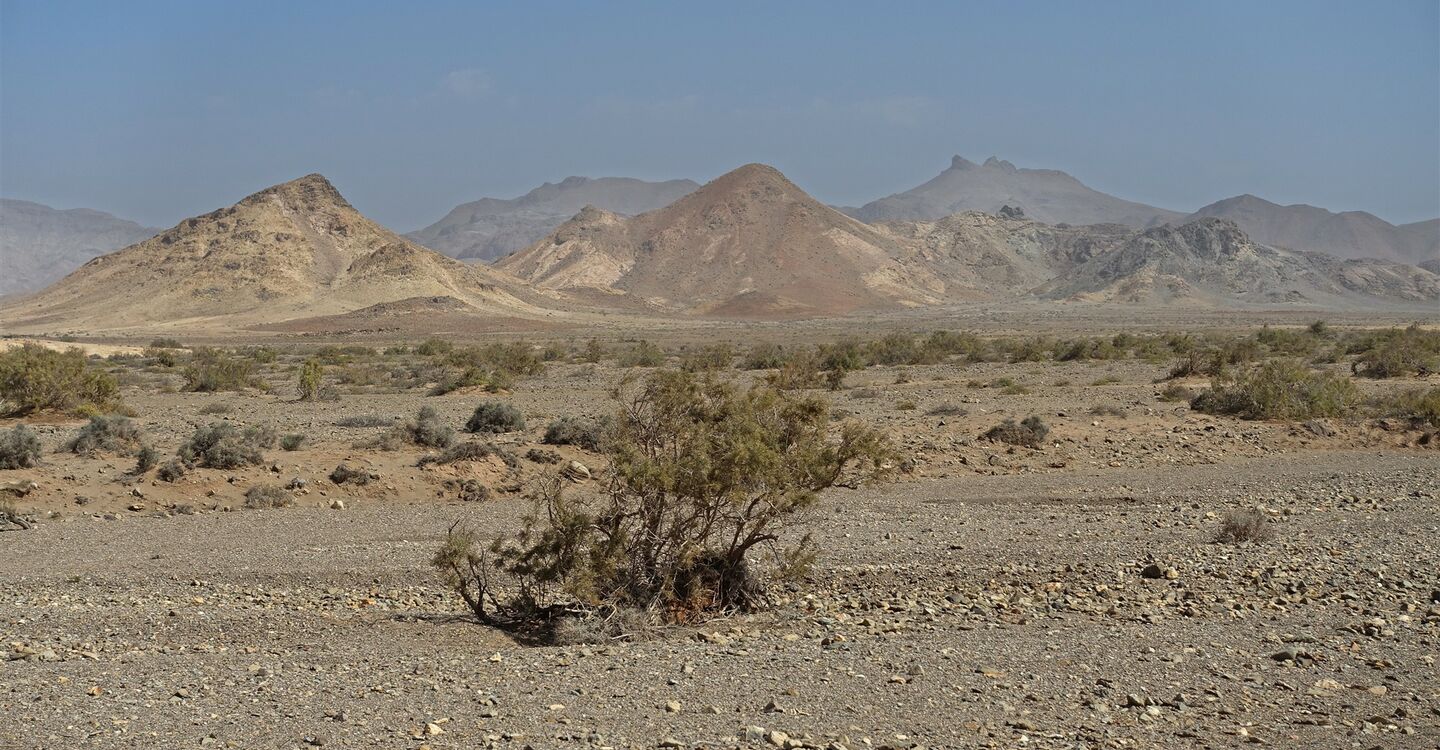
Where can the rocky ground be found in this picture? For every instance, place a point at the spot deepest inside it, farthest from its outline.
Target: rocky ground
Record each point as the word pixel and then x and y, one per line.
pixel 1065 597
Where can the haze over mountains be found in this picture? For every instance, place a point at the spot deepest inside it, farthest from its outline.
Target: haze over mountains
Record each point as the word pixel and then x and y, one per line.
pixel 40 244
pixel 1349 234
pixel 492 228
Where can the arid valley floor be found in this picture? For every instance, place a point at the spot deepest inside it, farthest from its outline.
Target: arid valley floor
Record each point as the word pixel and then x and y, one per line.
pixel 984 595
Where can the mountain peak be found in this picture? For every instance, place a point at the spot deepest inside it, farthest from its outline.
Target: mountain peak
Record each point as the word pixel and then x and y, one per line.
pixel 959 162
pixel 995 162
pixel 309 193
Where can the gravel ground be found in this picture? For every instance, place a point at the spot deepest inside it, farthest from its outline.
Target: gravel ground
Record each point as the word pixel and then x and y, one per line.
pixel 957 609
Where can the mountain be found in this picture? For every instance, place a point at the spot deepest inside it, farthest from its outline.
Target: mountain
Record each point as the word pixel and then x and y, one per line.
pixel 290 251
pixel 1045 195
pixel 1349 234
pixel 39 244
pixel 491 228
pixel 748 244
pixel 1213 261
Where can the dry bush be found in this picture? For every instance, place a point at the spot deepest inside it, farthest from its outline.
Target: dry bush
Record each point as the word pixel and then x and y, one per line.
pixel 702 473
pixel 345 474
pixel 145 460
pixel 171 470
pixel 1029 432
pixel 307 385
pixel 578 431
pixel 214 370
pixel 268 496
pixel 1106 410
pixel 495 417
pixel 473 450
pixel 1418 405
pixel 542 456
pixel 1280 389
pixel 218 407
pixel 10 517
pixel 1176 392
pixel 365 420
pixel 223 446
pixel 1396 353
pixel 19 448
pixel 1243 526
pixel 34 378
pixel 642 354
pixel 947 409
pixel 112 433
pixel 426 429
pixel 292 441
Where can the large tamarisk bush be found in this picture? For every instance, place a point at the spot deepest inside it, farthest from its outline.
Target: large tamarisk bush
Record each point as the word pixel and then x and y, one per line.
pixel 704 473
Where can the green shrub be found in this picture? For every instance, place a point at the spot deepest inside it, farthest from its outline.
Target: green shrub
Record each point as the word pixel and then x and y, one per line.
pixel 642 354
pixel 427 429
pixel 434 347
pixel 495 417
pixel 1029 432
pixel 263 496
pixel 1397 353
pixel 171 470
pixel 34 378
pixel 1280 389
pixel 213 370
pixel 222 446
pixel 166 343
pixel 711 357
pixel 19 448
pixel 1420 405
pixel 469 451
pixel 584 433
pixel 146 459
pixel 765 356
pixel 292 441
pixel 703 473
pixel 308 383
pixel 106 434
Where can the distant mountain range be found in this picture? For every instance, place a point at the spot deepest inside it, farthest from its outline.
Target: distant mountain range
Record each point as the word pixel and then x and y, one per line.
pixel 492 228
pixel 40 244
pixel 1349 234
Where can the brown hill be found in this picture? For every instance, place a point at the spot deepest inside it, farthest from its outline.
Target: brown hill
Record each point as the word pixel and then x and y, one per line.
pixel 290 251
pixel 748 244
pixel 1212 261
pixel 1348 234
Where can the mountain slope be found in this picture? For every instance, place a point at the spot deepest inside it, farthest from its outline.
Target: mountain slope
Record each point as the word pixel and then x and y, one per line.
pixel 1045 195
pixel 748 244
pixel 1349 234
pixel 1212 261
pixel 39 244
pixel 293 250
pixel 491 228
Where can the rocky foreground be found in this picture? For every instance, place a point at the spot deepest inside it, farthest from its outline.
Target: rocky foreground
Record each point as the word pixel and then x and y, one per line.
pixel 1085 609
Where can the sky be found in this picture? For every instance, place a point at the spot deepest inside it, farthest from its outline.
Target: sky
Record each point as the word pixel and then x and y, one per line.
pixel 156 111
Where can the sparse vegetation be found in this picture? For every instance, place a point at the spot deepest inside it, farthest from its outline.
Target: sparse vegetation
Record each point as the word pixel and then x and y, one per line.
pixel 223 446
pixel 704 472
pixel 947 409
pixel 217 407
pixel 34 378
pixel 1243 526
pixel 472 450
pixel 292 441
pixel 312 373
pixel 495 417
pixel 112 433
pixel 145 460
pixel 365 420
pixel 171 470
pixel 263 496
pixel 19 448
pixel 1029 432
pixel 642 354
pixel 583 433
pixel 1418 405
pixel 427 429
pixel 346 474
pixel 213 370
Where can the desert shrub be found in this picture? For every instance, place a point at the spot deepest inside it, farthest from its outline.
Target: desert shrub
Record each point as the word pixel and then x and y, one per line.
pixel 542 456
pixel 19 448
pixel 1029 432
pixel 223 446
pixel 1176 392
pixel 346 474
pixel 801 371
pixel 1243 526
pixel 642 354
pixel 495 417
pixel 1420 405
pixel 594 351
pixel 584 433
pixel 171 470
pixel 365 420
pixel 866 392
pixel 34 378
pixel 162 357
pixel 711 357
pixel 472 450
pixel 1015 389
pixel 146 459
pixel 217 407
pixel 10 516
pixel 947 409
pixel 905 405
pixel 846 355
pixel 292 441
pixel 765 356
pixel 111 433
pixel 214 370
pixel 427 429
pixel 1106 410
pixel 433 347
pixel 166 343
pixel 703 472
pixel 1397 353
pixel 1280 389
pixel 268 496
pixel 307 385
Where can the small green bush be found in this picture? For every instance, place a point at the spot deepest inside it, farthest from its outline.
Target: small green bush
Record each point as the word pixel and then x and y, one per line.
pixel 307 385
pixel 427 429
pixel 495 417
pixel 642 354
pixel 213 370
pixel 146 459
pixel 19 448
pixel 222 446
pixel 34 378
pixel 292 441
pixel 1280 389
pixel 584 433
pixel 112 433
pixel 1419 405
pixel 1029 432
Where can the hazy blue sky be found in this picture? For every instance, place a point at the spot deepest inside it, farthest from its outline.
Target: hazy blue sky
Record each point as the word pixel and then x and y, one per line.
pixel 160 110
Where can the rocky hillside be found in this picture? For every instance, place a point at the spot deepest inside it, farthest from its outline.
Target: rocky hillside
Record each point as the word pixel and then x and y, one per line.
pixel 40 244
pixel 748 244
pixel 492 228
pixel 293 250
pixel 1212 261
pixel 1349 234
pixel 1045 195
